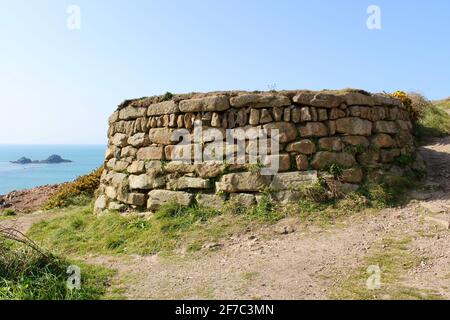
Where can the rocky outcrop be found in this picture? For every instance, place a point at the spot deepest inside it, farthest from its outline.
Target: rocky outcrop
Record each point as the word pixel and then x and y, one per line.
pixel 208 148
pixel 53 159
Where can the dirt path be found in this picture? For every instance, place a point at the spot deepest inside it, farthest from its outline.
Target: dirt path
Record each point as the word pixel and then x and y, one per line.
pixel 308 263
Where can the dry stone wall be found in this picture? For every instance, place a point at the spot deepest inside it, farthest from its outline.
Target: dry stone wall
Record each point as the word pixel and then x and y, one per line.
pixel 305 134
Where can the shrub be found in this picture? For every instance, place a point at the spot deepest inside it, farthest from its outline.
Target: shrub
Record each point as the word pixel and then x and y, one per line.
pixel 168 96
pixel 77 192
pixel 8 213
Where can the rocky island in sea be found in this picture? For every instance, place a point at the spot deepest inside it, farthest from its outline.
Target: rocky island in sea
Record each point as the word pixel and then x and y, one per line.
pixel 53 159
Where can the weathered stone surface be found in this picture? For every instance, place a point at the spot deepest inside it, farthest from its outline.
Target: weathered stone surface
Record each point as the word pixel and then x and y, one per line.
pixel 293 180
pixel 266 116
pixel 243 199
pixel 331 125
pixel 305 114
pixel 358 99
pixel 113 118
pixel 287 131
pixel 139 140
pixel 278 114
pixel 324 100
pixel 157 198
pixel 184 183
pixel 100 204
pixel 386 127
pixel 296 115
pixel 115 206
pixel 322 114
pixel 180 121
pixel 287 196
pixel 211 103
pixel 112 152
pixel 120 140
pixel 128 152
pixel 179 167
pixel 352 175
pixel 302 162
pixel 180 152
pixel 354 126
pixel 111 192
pixel 210 201
pixel 146 182
pixel 257 100
pixel 119 179
pixel 313 129
pixel 117 165
pixel 388 156
pixel 404 125
pixel 241 182
pixel 383 140
pixel 210 169
pixel 216 121
pixel 369 158
pixel 136 199
pixel 304 146
pixel 130 113
pixel 331 144
pixel 324 159
pixel 241 117
pixel 336 114
pixel 164 136
pixel 356 141
pixel 287 114
pixel 150 153
pixel 282 161
pixel 162 108
pixel 255 115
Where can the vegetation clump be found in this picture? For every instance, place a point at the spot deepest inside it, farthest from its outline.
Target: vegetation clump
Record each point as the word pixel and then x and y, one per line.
pixel 77 192
pixel 27 273
pixel 8 212
pixel 429 119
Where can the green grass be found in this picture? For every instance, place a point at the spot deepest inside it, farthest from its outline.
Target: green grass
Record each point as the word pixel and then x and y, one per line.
pixel 79 231
pixel 8 213
pixel 394 260
pixel 434 122
pixel 444 104
pixel 27 275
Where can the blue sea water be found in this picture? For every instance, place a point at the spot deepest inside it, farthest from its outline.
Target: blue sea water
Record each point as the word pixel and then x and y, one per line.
pixel 17 177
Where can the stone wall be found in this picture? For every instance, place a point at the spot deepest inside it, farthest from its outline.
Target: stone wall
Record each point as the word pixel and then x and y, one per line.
pixel 305 133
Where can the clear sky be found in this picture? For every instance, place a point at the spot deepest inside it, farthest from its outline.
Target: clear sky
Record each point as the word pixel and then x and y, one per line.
pixel 58 86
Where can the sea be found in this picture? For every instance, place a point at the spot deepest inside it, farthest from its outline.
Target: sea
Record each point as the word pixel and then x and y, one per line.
pixel 86 158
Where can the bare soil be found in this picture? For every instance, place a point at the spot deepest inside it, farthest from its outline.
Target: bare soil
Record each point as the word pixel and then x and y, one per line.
pixel 26 201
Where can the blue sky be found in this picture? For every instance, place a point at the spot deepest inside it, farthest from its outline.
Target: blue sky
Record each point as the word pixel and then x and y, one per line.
pixel 58 86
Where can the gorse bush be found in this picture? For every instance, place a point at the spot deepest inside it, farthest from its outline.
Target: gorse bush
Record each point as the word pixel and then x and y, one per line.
pixel 78 192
